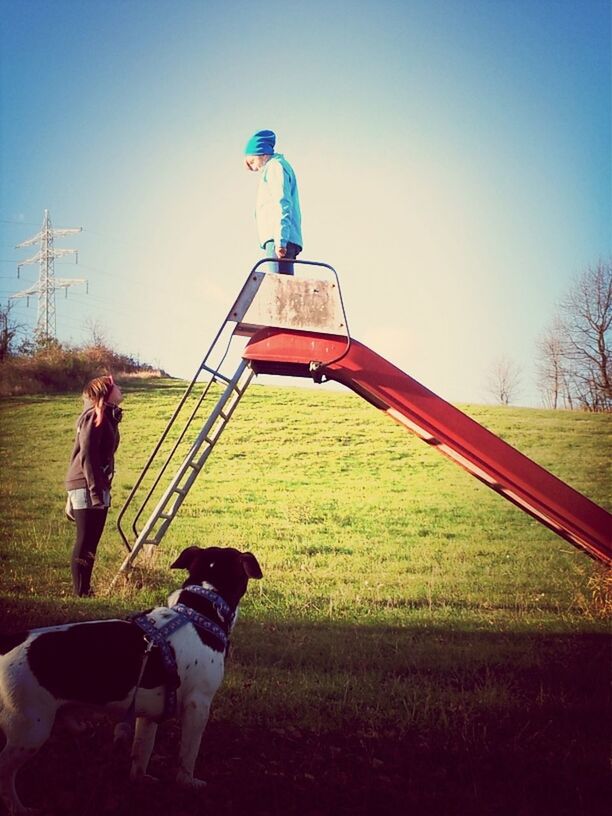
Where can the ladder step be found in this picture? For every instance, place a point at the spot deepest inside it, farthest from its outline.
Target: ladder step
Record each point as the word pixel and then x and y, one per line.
pixel 216 375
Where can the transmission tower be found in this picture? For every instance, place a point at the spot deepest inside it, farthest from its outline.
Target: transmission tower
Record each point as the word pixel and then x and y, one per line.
pixel 47 282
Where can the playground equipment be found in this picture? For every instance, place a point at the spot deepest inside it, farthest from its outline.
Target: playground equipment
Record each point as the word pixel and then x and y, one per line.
pixel 297 326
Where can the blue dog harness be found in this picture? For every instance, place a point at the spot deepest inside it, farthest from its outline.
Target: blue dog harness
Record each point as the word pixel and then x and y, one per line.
pixel 159 635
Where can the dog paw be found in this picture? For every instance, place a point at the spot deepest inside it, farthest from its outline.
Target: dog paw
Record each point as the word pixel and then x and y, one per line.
pixel 144 779
pixel 73 726
pixel 190 782
pixel 122 735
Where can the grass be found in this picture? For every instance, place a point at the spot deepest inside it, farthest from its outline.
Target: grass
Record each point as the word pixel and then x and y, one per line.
pixel 416 644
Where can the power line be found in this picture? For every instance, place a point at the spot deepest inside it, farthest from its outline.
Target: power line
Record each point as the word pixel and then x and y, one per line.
pixel 18 223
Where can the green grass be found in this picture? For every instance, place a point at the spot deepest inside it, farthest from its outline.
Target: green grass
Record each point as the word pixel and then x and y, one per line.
pixel 417 643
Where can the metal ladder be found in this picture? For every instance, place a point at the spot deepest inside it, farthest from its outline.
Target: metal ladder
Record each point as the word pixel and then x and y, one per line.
pixel 168 506
pixel 193 461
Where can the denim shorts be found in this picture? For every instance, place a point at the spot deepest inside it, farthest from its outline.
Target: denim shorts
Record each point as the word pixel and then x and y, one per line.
pixel 81 500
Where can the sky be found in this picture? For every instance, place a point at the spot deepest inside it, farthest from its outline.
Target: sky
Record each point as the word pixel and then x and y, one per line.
pixel 453 159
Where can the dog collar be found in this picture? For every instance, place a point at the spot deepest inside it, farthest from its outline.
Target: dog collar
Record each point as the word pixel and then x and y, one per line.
pixel 186 614
pixel 222 607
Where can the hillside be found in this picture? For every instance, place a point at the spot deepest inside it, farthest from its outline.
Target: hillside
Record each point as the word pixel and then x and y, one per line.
pixel 416 641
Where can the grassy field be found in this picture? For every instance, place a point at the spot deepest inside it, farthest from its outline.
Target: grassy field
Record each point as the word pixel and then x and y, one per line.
pixel 417 644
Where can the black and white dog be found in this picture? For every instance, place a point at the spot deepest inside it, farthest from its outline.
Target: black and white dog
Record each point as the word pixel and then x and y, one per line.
pixel 127 668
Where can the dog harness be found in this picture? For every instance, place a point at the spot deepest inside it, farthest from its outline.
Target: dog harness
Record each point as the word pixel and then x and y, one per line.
pixel 159 636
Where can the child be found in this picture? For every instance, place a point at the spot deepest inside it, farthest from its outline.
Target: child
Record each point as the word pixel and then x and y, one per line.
pixel 277 209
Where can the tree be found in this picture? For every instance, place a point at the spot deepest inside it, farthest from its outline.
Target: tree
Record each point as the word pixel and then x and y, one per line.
pixel 575 363
pixel 552 371
pixel 97 333
pixel 9 330
pixel 503 380
pixel 587 315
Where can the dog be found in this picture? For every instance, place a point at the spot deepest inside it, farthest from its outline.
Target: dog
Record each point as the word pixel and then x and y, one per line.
pixel 121 667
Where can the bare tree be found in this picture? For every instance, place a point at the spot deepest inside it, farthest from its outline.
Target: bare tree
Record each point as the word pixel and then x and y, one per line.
pixel 97 333
pixel 554 378
pixel 503 380
pixel 9 330
pixel 586 314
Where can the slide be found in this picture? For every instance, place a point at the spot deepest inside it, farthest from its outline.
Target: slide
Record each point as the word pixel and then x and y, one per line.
pixel 487 457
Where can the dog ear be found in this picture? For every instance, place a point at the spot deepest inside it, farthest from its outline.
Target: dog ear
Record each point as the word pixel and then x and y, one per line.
pixel 251 565
pixel 186 558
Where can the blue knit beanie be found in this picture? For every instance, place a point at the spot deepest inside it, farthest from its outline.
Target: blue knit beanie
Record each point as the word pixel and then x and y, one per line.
pixel 261 144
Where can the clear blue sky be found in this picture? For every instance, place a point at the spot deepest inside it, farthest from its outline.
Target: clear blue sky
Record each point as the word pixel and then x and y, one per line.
pixel 454 161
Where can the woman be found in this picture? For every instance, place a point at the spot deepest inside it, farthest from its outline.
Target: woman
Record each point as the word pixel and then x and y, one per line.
pixel 90 473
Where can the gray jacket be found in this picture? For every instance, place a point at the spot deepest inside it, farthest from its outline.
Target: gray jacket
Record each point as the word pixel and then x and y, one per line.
pixel 92 462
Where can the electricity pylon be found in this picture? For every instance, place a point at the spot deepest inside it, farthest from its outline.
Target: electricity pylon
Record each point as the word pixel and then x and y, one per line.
pixel 47 282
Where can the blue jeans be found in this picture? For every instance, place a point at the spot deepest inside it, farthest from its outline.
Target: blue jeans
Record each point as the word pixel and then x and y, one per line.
pixel 282 267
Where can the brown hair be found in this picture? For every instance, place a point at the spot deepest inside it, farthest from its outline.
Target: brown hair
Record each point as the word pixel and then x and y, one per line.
pixel 98 391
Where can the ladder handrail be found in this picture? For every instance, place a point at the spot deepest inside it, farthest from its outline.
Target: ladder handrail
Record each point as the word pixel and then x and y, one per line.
pixel 203 396
pixel 166 430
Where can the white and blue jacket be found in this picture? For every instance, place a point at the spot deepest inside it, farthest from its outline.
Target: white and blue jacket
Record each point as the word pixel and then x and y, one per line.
pixel 277 210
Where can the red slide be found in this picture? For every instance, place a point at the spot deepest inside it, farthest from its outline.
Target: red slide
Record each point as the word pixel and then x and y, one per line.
pixel 500 466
